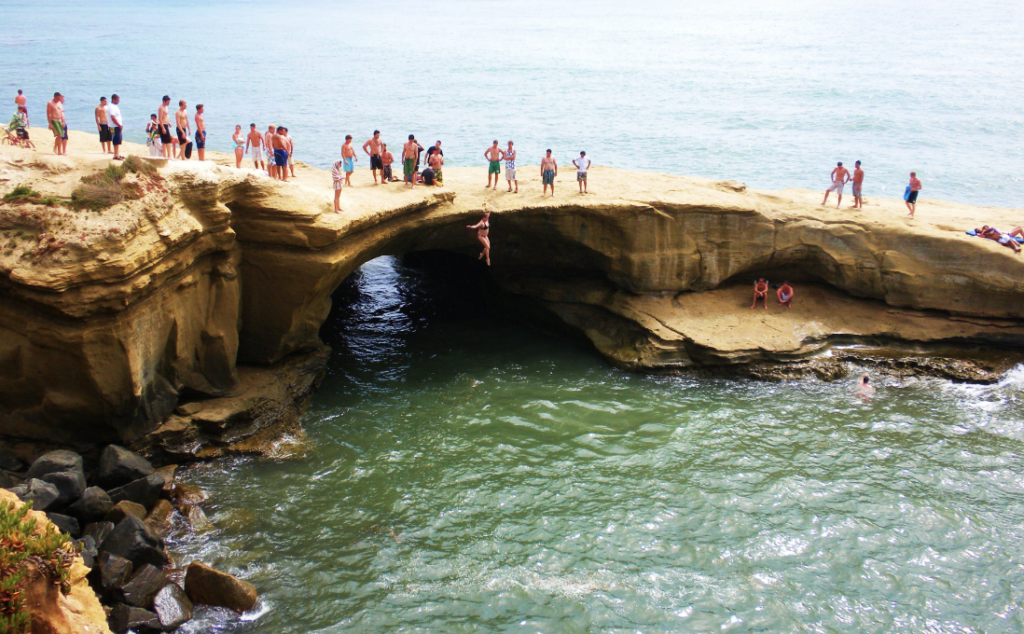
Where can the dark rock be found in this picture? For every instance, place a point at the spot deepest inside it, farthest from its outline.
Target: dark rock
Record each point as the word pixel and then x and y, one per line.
pixel 136 542
pixel 125 617
pixel 172 607
pixel 186 494
pixel 42 494
pixel 207 586
pixel 98 531
pixel 9 462
pixel 118 467
pixel 55 462
pixel 167 473
pixel 142 587
pixel 123 509
pixel 70 485
pixel 92 506
pixel 65 523
pixel 88 550
pixel 114 572
pixel 161 511
pixel 9 480
pixel 145 491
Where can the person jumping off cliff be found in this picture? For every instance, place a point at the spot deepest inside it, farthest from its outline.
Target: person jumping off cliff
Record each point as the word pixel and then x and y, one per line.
pixel 483 228
pixel 840 176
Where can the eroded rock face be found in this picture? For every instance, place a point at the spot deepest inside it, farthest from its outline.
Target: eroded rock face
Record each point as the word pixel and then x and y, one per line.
pixel 186 323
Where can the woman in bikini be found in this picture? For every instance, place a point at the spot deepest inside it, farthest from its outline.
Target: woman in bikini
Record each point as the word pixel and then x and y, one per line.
pixel 482 229
pixel 239 145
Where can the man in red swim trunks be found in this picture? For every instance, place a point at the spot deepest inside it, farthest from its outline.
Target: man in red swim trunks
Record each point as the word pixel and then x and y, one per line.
pixel 760 290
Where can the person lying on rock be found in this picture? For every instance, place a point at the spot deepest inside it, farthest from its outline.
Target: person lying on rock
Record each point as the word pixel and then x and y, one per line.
pixel 1005 239
pixel 760 290
pixel 785 294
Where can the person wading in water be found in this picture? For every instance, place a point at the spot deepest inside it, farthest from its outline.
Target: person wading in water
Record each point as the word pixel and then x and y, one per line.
pixel 482 230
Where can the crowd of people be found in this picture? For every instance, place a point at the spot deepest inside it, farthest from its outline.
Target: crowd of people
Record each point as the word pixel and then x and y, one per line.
pixel 841 176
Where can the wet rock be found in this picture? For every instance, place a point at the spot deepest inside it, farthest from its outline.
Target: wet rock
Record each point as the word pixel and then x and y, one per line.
pixel 65 523
pixel 207 586
pixel 55 462
pixel 42 494
pixel 142 587
pixel 159 518
pixel 9 462
pixel 167 473
pixel 136 542
pixel 145 491
pixel 92 506
pixel 125 617
pixel 172 607
pixel 98 531
pixel 118 467
pixel 188 494
pixel 114 572
pixel 197 519
pixel 123 509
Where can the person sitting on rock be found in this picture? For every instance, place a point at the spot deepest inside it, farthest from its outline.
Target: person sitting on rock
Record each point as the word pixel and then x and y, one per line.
pixel 760 290
pixel 785 294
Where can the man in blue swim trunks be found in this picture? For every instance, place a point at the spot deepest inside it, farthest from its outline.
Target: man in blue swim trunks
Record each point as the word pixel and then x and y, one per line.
pixel 281 155
pixel 200 132
pixel 548 172
pixel 349 158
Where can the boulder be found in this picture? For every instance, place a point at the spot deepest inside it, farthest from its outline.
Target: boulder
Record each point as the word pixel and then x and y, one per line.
pixel 9 462
pixel 70 485
pixel 167 472
pixel 172 607
pixel 123 509
pixel 92 506
pixel 188 494
pixel 54 462
pixel 88 550
pixel 114 572
pixel 98 531
pixel 65 523
pixel 118 467
pixel 142 587
pixel 136 542
pixel 41 494
pixel 207 586
pixel 161 511
pixel 145 491
pixel 9 480
pixel 125 617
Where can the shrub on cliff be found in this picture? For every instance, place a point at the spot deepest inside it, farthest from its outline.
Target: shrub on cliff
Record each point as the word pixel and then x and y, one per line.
pixel 48 551
pixel 25 194
pixel 107 188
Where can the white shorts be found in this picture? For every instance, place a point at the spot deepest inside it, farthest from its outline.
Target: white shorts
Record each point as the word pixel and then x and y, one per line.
pixel 257 154
pixel 290 161
pixel 510 174
pixel 837 187
pixel 338 185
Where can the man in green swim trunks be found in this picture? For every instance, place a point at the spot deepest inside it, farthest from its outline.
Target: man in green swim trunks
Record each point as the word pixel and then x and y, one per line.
pixel 494 154
pixel 410 152
pixel 55 115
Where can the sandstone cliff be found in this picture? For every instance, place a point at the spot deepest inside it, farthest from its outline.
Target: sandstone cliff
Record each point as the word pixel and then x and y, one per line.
pixel 194 311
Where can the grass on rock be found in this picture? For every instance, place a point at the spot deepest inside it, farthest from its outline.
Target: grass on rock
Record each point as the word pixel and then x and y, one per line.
pixel 107 188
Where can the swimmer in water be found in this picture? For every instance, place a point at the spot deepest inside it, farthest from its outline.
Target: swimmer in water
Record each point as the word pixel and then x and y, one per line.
pixel 864 389
pixel 761 290
pixel 482 230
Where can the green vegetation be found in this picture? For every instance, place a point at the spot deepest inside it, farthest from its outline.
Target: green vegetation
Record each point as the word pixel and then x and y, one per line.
pixel 107 188
pixel 25 194
pixel 50 552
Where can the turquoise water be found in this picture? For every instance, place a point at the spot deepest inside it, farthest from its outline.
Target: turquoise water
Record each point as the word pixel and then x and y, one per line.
pixel 771 93
pixel 468 474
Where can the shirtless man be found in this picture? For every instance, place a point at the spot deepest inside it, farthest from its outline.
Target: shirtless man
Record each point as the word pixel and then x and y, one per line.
pixel 373 148
pixel 163 119
pixel 840 176
pixel 55 115
pixel 291 150
pixel 268 142
pixel 349 158
pixel 410 154
pixel 254 140
pixel 494 155
pixel 785 295
pixel 103 126
pixel 386 159
pixel 200 133
pixel 858 182
pixel 760 290
pixel 184 128
pixel 548 172
pixel 20 100
pixel 435 161
pixel 280 142
pixel 510 167
pixel 864 388
pixel 915 188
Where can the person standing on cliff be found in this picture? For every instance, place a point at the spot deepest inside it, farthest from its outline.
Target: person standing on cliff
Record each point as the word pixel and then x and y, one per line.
pixel 200 133
pixel 858 183
pixel 494 154
pixel 291 151
pixel 255 141
pixel 373 148
pixel 280 142
pixel 510 168
pixel 21 101
pixel 548 172
pixel 582 165
pixel 268 142
pixel 915 188
pixel 103 126
pixel 432 150
pixel 435 162
pixel 386 159
pixel 840 176
pixel 338 176
pixel 116 126
pixel 164 122
pixel 183 128
pixel 348 155
pixel 55 115
pixel 410 154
